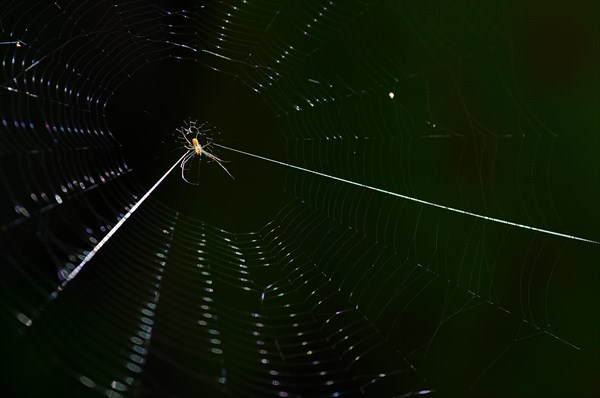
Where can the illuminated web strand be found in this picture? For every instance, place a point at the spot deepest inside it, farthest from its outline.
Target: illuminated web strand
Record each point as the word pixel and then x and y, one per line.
pixel 545 231
pixel 118 225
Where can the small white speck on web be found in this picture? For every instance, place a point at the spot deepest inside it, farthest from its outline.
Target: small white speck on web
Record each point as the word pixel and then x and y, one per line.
pixel 391 94
pixel 24 319
pixel 86 381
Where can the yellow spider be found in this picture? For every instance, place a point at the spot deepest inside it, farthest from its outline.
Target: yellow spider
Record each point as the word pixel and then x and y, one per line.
pixel 197 150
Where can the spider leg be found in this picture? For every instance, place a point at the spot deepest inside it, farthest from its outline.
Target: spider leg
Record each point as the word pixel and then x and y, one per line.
pixel 198 130
pixel 184 137
pixel 186 159
pixel 218 161
pixel 183 169
pixel 188 181
pixel 202 125
pixel 224 168
pixel 213 157
pixel 181 136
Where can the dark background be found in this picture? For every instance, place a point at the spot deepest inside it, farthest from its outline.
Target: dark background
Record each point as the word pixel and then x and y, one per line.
pixel 495 112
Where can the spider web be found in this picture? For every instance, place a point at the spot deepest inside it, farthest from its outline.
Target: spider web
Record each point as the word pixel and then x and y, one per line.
pixel 120 280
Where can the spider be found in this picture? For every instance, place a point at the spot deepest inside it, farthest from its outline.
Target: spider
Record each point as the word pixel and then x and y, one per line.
pixel 196 149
